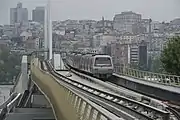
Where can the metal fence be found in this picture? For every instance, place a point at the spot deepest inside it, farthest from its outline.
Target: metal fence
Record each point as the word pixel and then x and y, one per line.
pixel 149 76
pixel 8 107
pixel 67 105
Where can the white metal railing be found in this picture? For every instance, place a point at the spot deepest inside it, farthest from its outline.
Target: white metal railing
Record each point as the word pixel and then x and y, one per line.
pixel 8 100
pixel 13 102
pixel 16 82
pixel 164 79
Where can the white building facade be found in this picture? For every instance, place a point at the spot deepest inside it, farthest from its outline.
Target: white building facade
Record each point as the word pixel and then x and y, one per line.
pixel 19 15
pixel 123 22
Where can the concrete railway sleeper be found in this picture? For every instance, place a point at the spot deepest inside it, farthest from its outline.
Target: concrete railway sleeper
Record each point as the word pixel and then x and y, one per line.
pixel 174 113
pixel 83 108
pixel 140 108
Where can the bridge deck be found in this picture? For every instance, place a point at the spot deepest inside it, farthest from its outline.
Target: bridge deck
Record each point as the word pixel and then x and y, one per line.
pixel 152 84
pixel 53 92
pixel 63 99
pixel 30 114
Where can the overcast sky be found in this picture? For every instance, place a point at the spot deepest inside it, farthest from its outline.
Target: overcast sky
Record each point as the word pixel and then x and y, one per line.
pixel 161 10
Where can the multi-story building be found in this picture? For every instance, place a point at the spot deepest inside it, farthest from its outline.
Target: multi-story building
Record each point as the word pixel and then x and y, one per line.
pixel 123 22
pixel 4 42
pixel 1 31
pixel 9 30
pixel 19 15
pixel 156 45
pixel 142 56
pixel 74 26
pixel 157 27
pixel 138 28
pixel 133 60
pixel 32 43
pixel 125 54
pixel 126 38
pixel 25 35
pixel 141 27
pixel 104 24
pixel 96 40
pixel 13 16
pixel 101 40
pixel 38 14
pixel 41 43
pixel 175 23
pixel 140 37
pixel 119 53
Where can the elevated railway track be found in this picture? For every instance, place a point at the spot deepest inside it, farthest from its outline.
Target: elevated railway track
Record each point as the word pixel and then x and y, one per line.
pixel 85 101
pixel 139 110
pixel 174 112
pixel 60 100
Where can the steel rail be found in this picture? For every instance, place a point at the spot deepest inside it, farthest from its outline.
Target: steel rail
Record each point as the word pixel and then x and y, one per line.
pixel 65 98
pixel 137 107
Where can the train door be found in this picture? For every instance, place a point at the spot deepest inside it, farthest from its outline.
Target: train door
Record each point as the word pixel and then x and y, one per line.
pixel 87 64
pixel 75 60
pixel 82 63
pixel 77 63
pixel 90 64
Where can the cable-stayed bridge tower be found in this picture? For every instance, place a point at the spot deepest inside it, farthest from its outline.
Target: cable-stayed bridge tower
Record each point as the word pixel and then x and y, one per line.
pixel 48 32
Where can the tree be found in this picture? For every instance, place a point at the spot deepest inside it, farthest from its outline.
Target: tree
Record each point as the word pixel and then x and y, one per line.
pixel 156 65
pixel 8 64
pixel 170 56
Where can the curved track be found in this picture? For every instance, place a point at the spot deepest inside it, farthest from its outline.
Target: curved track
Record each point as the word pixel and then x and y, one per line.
pixel 135 108
pixel 174 113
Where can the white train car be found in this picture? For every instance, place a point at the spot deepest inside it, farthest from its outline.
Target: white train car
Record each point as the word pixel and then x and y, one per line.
pixel 100 66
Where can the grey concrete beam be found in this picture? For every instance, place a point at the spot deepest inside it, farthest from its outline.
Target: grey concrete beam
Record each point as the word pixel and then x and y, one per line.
pixel 33 110
pixel 28 116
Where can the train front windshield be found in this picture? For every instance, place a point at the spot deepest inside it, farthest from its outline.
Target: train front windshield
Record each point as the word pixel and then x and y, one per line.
pixel 103 61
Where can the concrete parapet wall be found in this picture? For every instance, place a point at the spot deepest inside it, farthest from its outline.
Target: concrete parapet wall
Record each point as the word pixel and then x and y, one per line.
pixel 54 92
pixel 147 89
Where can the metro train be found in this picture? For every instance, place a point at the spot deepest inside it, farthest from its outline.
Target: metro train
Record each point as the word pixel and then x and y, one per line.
pixel 97 65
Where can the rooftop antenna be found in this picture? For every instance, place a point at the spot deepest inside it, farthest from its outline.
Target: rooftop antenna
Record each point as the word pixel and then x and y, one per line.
pixel 103 24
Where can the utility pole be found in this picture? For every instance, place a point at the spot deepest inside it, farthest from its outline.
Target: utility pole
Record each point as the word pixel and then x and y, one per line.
pixel 103 25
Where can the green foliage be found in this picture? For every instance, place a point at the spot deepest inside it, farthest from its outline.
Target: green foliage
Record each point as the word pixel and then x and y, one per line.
pixel 8 65
pixel 170 56
pixel 157 65
pixel 134 65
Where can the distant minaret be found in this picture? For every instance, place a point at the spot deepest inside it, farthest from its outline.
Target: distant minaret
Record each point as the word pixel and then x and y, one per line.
pixel 103 24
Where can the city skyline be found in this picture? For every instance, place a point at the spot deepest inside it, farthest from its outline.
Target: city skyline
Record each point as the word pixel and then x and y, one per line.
pixel 73 9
